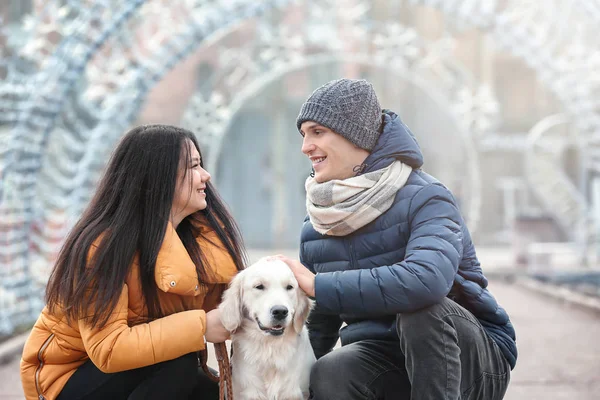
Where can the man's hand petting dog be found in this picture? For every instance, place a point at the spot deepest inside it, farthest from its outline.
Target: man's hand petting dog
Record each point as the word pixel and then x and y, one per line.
pixel 305 278
pixel 215 331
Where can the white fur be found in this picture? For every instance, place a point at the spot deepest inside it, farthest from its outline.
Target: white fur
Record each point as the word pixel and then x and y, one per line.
pixel 268 367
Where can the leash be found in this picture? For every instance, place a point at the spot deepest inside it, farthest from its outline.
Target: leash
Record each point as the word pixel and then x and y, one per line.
pixel 224 376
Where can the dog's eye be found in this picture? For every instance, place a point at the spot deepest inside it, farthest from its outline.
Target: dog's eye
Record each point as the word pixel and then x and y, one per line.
pixel 289 287
pixel 260 287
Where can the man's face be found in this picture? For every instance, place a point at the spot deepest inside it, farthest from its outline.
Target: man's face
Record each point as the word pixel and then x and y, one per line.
pixel 332 155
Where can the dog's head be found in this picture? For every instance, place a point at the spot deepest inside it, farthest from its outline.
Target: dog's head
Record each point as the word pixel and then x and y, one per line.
pixel 267 294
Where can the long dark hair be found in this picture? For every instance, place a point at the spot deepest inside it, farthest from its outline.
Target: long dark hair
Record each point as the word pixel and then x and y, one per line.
pixel 128 216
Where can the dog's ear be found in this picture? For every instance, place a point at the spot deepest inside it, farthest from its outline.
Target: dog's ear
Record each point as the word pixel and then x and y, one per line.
pixel 303 307
pixel 231 306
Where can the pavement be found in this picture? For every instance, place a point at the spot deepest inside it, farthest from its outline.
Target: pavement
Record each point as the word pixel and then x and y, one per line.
pixel 559 355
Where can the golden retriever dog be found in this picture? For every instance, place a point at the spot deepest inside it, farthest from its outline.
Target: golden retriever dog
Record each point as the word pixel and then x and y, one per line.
pixel 265 311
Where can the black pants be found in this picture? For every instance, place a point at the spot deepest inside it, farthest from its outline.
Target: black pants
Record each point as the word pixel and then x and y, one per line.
pixel 444 354
pixel 175 379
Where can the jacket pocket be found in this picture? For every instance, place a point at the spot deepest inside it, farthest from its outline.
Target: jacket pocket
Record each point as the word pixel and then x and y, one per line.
pixel 38 370
pixel 369 329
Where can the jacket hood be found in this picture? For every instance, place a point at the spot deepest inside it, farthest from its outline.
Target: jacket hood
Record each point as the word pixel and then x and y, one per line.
pixel 396 142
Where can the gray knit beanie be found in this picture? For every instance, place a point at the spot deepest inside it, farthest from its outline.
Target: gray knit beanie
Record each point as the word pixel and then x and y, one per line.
pixel 348 107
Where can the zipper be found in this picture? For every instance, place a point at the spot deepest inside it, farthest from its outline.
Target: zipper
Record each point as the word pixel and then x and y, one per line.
pixel 39 368
pixel 352 258
pixel 365 167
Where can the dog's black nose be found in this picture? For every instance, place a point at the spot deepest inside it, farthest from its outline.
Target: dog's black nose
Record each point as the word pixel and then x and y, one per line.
pixel 279 312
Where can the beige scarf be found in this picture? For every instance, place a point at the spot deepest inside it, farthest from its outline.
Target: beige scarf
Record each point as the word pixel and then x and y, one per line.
pixel 339 207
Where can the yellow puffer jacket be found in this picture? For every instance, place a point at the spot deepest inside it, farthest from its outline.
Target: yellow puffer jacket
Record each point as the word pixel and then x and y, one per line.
pixel 55 349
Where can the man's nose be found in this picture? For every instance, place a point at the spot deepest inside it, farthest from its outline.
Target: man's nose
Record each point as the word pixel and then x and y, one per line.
pixel 307 147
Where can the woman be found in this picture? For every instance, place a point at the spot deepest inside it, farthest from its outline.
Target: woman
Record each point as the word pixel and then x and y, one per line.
pixel 134 291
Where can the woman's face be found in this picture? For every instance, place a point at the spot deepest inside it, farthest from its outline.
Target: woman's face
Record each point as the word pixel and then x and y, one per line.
pixel 191 184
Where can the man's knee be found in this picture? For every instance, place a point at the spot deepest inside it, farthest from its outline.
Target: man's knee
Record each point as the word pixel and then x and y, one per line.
pixel 416 317
pixel 323 377
pixel 422 322
pixel 331 375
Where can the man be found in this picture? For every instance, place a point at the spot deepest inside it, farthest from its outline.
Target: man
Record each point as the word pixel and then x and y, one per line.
pixel 393 260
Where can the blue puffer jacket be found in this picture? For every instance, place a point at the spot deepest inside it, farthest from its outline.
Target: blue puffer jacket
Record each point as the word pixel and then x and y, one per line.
pixel 411 257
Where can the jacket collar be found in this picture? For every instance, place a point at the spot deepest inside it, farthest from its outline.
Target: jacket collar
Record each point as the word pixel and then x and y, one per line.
pixel 175 271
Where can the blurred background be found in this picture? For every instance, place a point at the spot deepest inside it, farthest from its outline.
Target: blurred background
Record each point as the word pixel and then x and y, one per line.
pixel 502 95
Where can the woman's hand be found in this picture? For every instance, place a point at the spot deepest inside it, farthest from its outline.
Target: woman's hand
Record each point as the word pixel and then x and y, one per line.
pixel 305 278
pixel 215 331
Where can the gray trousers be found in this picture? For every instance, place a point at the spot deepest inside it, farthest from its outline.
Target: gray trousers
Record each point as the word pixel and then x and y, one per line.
pixel 444 354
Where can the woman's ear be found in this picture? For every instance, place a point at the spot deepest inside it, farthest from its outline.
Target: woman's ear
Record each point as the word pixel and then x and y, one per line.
pixel 303 307
pixel 231 306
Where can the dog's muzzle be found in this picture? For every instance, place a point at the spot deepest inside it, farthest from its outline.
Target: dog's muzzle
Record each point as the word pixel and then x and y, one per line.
pixel 275 330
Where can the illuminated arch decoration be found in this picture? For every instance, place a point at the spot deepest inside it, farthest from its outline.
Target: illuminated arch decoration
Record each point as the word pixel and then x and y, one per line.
pixel 80 80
